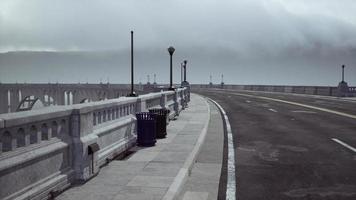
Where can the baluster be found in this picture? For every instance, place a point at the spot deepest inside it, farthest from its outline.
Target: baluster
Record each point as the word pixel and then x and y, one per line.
pixel 109 115
pixel 54 129
pixel 104 116
pixel 94 118
pixel 20 138
pixel 45 132
pixel 8 142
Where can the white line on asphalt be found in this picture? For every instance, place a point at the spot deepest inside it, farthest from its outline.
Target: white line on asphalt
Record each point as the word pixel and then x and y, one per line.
pixel 247 101
pixel 273 110
pixel 231 182
pixel 299 104
pixel 344 144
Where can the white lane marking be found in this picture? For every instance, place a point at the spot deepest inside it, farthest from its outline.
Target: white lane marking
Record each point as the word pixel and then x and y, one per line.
pixel 272 110
pixel 247 101
pixel 344 144
pixel 231 182
pixel 299 104
pixel 303 111
pixel 345 99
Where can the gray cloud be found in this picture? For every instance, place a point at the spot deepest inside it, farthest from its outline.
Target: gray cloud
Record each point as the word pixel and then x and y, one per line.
pixel 241 38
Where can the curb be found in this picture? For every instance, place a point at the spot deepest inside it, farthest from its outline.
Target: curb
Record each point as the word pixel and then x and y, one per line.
pixel 231 180
pixel 183 173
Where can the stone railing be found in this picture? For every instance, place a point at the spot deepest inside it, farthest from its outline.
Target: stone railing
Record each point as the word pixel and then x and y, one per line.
pixel 352 89
pixel 44 151
pixel 313 90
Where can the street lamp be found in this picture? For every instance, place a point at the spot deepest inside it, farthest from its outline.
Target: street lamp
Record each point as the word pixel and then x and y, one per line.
pixel 181 73
pixel 343 73
pixel 132 94
pixel 171 51
pixel 185 70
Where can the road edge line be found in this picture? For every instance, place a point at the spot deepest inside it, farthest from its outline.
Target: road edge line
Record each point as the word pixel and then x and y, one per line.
pixel 231 170
pixel 183 173
pixel 344 144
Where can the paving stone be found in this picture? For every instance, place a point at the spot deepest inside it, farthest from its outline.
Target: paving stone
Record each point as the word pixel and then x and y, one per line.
pixel 140 193
pixel 151 181
pixel 195 195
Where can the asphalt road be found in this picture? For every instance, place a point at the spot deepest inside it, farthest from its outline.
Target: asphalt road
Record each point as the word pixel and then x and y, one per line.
pixel 284 151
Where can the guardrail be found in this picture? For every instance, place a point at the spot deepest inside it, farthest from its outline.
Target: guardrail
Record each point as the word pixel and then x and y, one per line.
pixel 44 151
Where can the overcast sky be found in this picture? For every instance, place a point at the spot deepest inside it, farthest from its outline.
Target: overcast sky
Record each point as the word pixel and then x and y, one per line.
pixel 250 41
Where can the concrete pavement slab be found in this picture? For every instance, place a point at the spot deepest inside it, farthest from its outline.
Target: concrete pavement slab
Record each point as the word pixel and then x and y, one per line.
pixel 151 181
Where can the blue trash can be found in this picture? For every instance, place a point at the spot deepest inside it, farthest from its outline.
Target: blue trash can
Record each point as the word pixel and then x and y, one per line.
pixel 146 129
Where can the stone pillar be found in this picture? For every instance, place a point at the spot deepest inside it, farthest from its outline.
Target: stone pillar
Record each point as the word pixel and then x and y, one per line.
pixel 141 105
pixel 187 86
pixel 342 89
pixel 176 102
pixel 76 97
pixel 68 98
pixel 14 100
pixel 85 161
pixel 3 101
pixel 60 97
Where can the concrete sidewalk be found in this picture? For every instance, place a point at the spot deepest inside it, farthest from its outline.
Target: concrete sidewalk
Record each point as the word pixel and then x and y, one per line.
pixel 203 182
pixel 157 172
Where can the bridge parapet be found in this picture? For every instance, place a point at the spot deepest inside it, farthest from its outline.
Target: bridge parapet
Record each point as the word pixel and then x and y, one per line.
pixel 312 90
pixel 11 95
pixel 43 151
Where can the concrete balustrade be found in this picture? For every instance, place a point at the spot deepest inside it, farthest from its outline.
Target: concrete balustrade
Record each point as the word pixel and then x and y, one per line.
pixel 13 95
pixel 44 151
pixel 312 90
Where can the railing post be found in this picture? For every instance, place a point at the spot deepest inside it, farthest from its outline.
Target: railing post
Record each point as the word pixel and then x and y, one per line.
pixel 81 125
pixel 175 105
pixel 14 99
pixel 3 101
pixel 141 105
pixel 163 101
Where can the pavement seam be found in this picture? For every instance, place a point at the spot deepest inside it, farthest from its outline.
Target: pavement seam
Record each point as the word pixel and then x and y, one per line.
pixel 178 182
pixel 231 176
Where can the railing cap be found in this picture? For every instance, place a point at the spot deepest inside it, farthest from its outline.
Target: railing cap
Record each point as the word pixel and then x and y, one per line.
pixel 32 116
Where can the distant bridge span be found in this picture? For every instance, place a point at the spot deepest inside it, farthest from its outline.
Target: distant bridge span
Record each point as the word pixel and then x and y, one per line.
pixel 17 97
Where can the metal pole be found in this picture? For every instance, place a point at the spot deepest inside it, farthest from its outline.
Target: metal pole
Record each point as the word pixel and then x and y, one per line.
pixel 132 94
pixel 132 64
pixel 171 51
pixel 343 73
pixel 185 71
pixel 171 74
pixel 181 72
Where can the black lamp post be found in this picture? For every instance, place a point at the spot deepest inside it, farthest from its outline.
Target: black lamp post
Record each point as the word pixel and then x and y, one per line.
pixel 171 51
pixel 343 73
pixel 181 72
pixel 132 94
pixel 185 70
